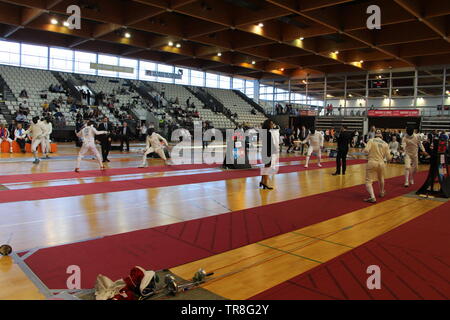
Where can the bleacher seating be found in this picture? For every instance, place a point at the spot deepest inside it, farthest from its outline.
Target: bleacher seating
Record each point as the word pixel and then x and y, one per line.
pixel 267 106
pixel 172 91
pixel 35 82
pixel 237 105
pixel 2 119
pixel 110 86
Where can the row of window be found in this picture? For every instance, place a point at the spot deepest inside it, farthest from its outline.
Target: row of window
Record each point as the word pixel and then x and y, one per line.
pixel 48 58
pixel 58 59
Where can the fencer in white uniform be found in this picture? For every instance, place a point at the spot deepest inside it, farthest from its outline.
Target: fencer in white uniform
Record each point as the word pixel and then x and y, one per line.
pixel 410 144
pixel 48 129
pixel 36 133
pixel 154 143
pixel 87 135
pixel 315 140
pixel 378 152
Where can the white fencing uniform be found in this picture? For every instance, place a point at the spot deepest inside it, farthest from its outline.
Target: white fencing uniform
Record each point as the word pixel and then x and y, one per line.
pixel 48 129
pixel 411 145
pixel 378 151
pixel 315 141
pixel 87 135
pixel 153 144
pixel 36 132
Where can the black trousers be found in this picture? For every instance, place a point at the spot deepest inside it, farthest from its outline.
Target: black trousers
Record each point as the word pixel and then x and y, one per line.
pixel 341 160
pixel 125 139
pixel 106 147
pixel 21 143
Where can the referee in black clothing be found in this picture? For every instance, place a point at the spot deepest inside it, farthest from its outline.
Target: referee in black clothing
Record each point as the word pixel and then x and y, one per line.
pixel 343 141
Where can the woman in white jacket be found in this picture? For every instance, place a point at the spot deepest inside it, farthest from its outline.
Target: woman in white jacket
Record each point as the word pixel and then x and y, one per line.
pixel 154 143
pixel 271 150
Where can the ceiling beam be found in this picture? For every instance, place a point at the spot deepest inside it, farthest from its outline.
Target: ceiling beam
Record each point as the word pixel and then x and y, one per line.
pixel 437 24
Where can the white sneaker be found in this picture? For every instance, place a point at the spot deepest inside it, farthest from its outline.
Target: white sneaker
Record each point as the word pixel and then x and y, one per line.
pixel 406 185
pixel 142 166
pixel 306 166
pixel 411 182
pixel 319 165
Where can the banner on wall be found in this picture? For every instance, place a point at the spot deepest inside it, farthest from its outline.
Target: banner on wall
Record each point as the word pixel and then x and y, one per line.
pixel 108 67
pixel 394 113
pixel 170 75
pixel 307 113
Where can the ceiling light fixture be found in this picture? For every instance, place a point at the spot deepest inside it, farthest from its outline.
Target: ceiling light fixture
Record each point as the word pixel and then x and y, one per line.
pixel 253 62
pixel 66 24
pixel 54 21
pixel 301 39
pixel 219 54
pixel 170 44
pixel 260 24
pixel 178 45
pixel 127 35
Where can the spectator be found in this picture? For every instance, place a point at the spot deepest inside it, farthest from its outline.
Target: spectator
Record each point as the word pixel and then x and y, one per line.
pixel 12 128
pixel 20 137
pixel 45 106
pixel 21 117
pixel 125 135
pixel 4 136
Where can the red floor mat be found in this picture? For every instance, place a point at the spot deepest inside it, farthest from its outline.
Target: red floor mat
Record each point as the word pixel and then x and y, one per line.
pixel 414 260
pixel 176 244
pixel 112 172
pixel 71 190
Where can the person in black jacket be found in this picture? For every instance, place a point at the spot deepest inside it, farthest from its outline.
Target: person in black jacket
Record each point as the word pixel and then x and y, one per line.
pixel 105 139
pixel 343 140
pixel 125 135
pixel 302 135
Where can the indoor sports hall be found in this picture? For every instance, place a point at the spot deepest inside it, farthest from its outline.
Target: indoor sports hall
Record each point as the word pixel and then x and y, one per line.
pixel 224 150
